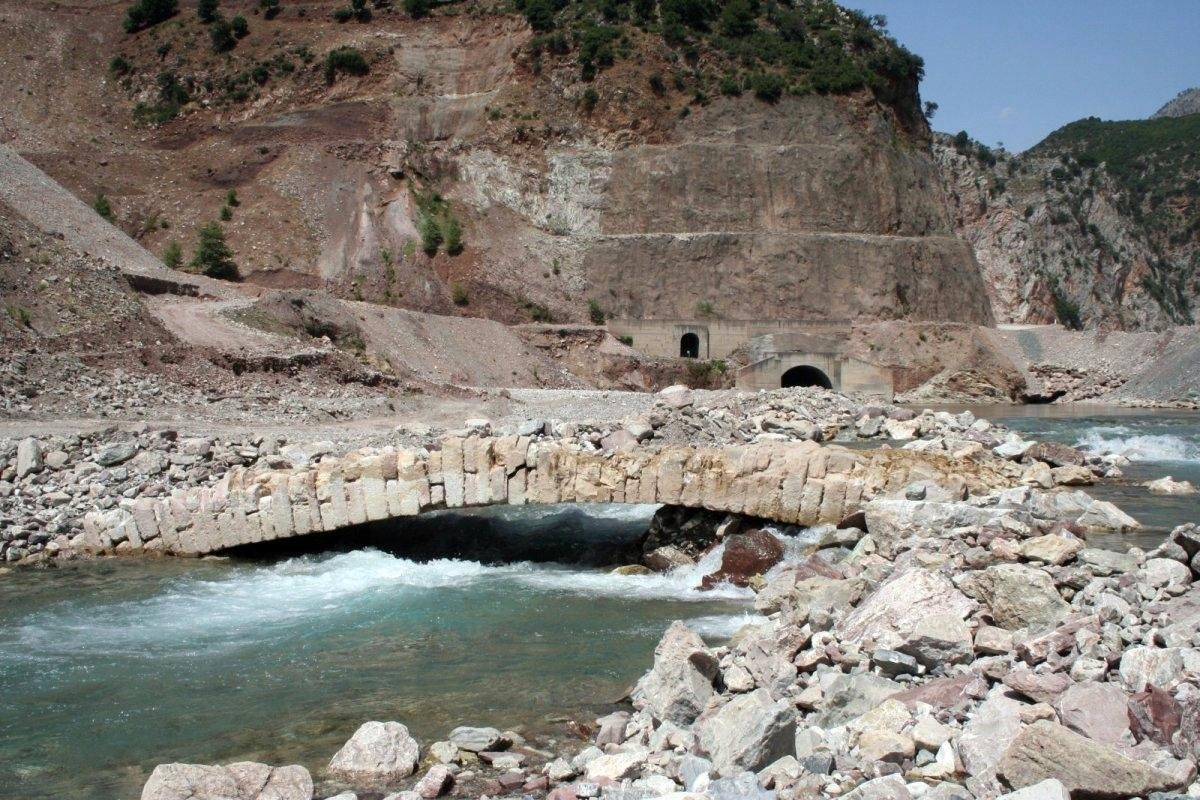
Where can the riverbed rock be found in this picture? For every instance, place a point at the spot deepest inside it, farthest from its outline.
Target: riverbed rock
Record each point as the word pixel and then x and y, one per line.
pixel 29 457
pixel 939 639
pixel 1103 515
pixel 1086 768
pixel 1049 789
pixel 1167 485
pixel 747 733
pixel 1053 548
pixel 888 616
pixel 680 683
pixel 889 787
pixel 615 766
pixel 244 780
pixel 434 783
pixel 1096 710
pixel 667 558
pixel 1056 454
pixel 745 555
pixel 116 453
pixel 990 731
pixel 1160 572
pixel 377 755
pixel 1156 666
pixel 1018 596
pixel 476 739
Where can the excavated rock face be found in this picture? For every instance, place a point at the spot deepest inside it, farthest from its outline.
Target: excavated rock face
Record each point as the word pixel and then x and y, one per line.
pixel 803 210
pixel 812 207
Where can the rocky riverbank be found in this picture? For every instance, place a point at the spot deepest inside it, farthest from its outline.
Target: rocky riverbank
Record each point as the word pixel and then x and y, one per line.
pixel 951 649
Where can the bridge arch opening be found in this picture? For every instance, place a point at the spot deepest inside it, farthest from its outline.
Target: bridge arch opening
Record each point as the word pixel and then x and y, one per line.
pixel 805 375
pixel 689 346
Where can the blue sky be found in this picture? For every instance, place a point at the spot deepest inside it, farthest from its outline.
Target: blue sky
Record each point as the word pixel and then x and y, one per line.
pixel 1015 70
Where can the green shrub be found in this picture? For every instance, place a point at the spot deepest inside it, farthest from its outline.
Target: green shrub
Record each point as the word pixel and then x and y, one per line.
pixel 102 207
pixel 458 293
pixel 119 66
pixel 767 86
pixel 452 234
pixel 348 60
pixel 538 312
pixel 213 256
pixel 595 313
pixel 147 13
pixel 206 10
pixel 19 315
pixel 241 28
pixel 221 35
pixel 588 100
pixel 343 14
pixel 270 8
pixel 173 255
pixel 626 340
pixel 539 14
pixel 737 19
pixel 704 308
pixel 231 199
pixel 431 235
pixel 226 213
pixel 418 8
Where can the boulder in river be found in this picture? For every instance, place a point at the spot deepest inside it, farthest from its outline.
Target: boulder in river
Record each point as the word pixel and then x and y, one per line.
pixel 379 754
pixel 746 555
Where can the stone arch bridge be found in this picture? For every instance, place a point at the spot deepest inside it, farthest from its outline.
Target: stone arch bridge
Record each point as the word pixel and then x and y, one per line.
pixel 801 483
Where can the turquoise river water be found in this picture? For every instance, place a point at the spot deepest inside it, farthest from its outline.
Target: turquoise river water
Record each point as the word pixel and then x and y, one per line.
pixel 109 668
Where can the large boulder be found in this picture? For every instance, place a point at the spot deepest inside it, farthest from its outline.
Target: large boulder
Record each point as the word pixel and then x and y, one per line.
pixel 29 457
pixel 679 685
pixel 1087 769
pixel 1153 666
pixel 989 731
pixel 747 733
pixel 849 696
pixel 939 639
pixel 244 780
pixel 887 617
pixel 800 594
pixel 745 555
pixel 1018 596
pixel 1096 710
pixel 379 754
pixel 1103 515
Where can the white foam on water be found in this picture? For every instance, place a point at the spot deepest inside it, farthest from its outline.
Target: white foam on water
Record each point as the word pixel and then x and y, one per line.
pixel 1138 447
pixel 682 583
pixel 252 605
pixel 723 626
pixel 237 609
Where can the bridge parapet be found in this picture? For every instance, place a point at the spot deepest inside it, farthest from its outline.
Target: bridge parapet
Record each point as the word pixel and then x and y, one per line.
pixel 795 483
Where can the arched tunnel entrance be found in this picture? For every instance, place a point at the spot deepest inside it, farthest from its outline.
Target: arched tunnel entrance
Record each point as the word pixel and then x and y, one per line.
pixel 689 346
pixel 805 375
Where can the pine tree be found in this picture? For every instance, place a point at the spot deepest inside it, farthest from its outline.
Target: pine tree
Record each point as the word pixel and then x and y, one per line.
pixel 213 257
pixel 173 255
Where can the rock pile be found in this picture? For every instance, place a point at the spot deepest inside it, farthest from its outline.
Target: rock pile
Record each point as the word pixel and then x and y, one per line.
pixel 954 650
pixel 47 485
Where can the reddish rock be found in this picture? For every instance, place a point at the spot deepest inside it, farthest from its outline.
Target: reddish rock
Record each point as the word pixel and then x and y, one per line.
pixel 944 692
pixel 746 555
pixel 1056 454
pixel 562 793
pixel 538 783
pixel 1039 687
pixel 1155 715
pixel 512 781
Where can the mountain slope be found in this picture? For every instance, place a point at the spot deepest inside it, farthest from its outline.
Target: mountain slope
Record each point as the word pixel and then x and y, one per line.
pixel 1184 103
pixel 604 159
pixel 1096 226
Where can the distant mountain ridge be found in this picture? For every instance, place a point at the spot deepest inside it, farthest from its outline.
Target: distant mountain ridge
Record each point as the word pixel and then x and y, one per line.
pixel 1185 103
